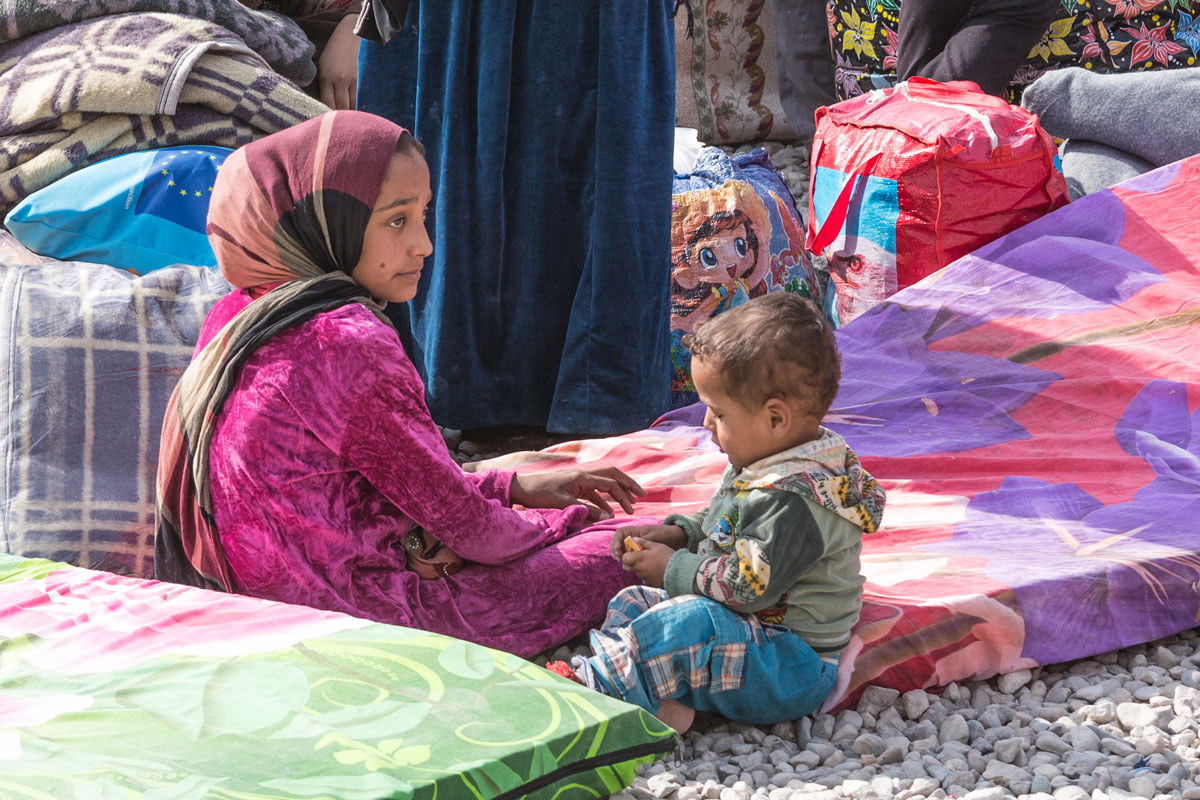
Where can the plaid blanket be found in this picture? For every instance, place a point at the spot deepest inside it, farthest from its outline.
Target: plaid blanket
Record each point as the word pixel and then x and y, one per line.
pixel 88 356
pixel 80 82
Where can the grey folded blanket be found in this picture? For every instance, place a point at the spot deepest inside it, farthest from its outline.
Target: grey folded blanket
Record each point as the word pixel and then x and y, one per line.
pixel 273 36
pixel 1090 166
pixel 75 94
pixel 1154 116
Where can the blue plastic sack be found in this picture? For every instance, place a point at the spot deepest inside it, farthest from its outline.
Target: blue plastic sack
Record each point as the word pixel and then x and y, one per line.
pixel 139 211
pixel 735 234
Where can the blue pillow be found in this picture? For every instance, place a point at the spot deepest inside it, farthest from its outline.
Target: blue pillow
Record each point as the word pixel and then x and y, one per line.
pixel 138 211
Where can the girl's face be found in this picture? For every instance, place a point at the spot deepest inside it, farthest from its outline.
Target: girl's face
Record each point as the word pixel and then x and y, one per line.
pixel 396 242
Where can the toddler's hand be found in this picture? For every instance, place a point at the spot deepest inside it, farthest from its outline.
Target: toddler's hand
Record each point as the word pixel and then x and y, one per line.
pixel 650 563
pixel 672 536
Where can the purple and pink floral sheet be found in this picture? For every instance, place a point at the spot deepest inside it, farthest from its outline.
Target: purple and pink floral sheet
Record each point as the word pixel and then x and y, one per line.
pixel 1032 410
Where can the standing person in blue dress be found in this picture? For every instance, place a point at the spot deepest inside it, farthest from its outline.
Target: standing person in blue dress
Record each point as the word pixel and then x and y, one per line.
pixel 548 129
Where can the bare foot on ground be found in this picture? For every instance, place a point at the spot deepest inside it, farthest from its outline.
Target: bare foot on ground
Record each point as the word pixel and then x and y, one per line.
pixel 676 714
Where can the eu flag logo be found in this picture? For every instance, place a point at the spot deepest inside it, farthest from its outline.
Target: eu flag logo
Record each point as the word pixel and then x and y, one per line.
pixel 178 183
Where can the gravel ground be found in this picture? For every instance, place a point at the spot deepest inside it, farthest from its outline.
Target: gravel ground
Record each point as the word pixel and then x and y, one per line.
pixel 1120 725
pixel 1124 724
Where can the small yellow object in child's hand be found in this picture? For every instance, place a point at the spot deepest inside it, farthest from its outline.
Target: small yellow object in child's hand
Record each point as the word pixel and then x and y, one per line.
pixel 630 544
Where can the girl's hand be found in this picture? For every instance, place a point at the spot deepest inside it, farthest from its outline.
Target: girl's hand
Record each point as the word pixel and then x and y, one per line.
pixel 337 68
pixel 650 563
pixel 672 536
pixel 577 486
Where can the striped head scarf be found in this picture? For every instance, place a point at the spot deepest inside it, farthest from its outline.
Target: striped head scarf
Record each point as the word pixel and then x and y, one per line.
pixel 288 212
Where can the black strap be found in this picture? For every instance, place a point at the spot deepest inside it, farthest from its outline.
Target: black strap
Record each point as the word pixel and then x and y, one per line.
pixel 380 20
pixel 688 7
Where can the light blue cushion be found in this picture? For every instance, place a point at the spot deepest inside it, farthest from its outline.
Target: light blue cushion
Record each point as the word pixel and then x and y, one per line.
pixel 139 211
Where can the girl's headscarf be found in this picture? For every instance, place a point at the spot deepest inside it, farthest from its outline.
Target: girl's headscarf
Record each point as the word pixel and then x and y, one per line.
pixel 288 211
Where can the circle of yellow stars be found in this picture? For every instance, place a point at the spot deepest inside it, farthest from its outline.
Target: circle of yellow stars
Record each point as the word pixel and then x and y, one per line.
pixel 171 181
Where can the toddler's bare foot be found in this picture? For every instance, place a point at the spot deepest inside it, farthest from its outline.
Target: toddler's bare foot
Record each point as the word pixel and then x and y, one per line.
pixel 676 714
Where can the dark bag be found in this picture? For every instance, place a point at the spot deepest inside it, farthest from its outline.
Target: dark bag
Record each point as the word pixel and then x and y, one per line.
pixel 428 557
pixel 380 20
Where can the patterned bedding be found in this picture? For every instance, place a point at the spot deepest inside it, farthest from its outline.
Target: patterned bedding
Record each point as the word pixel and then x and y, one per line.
pixel 119 687
pixel 1100 35
pixel 1032 411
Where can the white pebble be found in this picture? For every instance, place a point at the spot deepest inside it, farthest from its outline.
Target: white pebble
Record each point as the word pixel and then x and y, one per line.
pixel 1150 743
pixel 662 784
pixel 1187 700
pixel 1012 681
pixel 1136 715
pixel 1104 711
pixel 990 793
pixel 915 703
pixel 1070 792
pixel 954 729
pixel 1142 785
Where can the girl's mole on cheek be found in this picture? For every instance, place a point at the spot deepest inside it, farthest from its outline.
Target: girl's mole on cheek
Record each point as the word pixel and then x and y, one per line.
pixel 382 265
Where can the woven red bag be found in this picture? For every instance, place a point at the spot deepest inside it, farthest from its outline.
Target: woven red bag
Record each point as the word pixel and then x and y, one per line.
pixel 906 180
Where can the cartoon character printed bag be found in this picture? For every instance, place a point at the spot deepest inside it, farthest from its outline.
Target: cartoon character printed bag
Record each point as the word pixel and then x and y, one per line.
pixel 735 235
pixel 908 179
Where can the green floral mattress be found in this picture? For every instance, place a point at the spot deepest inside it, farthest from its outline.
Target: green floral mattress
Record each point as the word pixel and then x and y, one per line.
pixel 114 688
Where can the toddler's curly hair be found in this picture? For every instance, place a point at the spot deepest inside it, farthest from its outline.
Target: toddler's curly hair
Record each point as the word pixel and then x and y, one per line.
pixel 777 345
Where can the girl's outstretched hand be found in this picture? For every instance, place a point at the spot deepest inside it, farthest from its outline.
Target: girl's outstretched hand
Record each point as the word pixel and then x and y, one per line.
pixel 569 487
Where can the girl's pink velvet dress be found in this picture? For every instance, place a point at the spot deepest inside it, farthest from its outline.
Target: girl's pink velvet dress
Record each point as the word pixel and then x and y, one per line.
pixel 323 456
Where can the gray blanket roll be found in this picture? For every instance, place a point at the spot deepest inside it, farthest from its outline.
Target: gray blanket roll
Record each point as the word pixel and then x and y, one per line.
pixel 1091 166
pixel 1154 116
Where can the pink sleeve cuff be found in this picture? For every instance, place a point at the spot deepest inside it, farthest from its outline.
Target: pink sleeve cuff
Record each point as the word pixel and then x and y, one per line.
pixel 494 484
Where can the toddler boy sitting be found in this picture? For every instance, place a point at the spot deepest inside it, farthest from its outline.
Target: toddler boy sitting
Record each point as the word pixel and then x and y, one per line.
pixel 747 603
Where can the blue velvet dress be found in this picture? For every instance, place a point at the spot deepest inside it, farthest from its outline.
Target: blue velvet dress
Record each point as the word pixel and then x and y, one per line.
pixel 548 129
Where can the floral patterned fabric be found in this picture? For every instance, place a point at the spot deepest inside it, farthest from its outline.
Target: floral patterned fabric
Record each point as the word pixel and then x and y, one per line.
pixel 726 84
pixel 1035 427
pixel 1100 35
pixel 119 687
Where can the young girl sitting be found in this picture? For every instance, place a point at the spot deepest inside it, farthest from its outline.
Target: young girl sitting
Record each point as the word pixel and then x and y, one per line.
pixel 298 460
pixel 747 603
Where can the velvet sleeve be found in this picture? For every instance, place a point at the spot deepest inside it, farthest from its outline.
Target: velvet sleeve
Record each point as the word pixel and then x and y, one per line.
pixel 364 400
pixel 494 484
